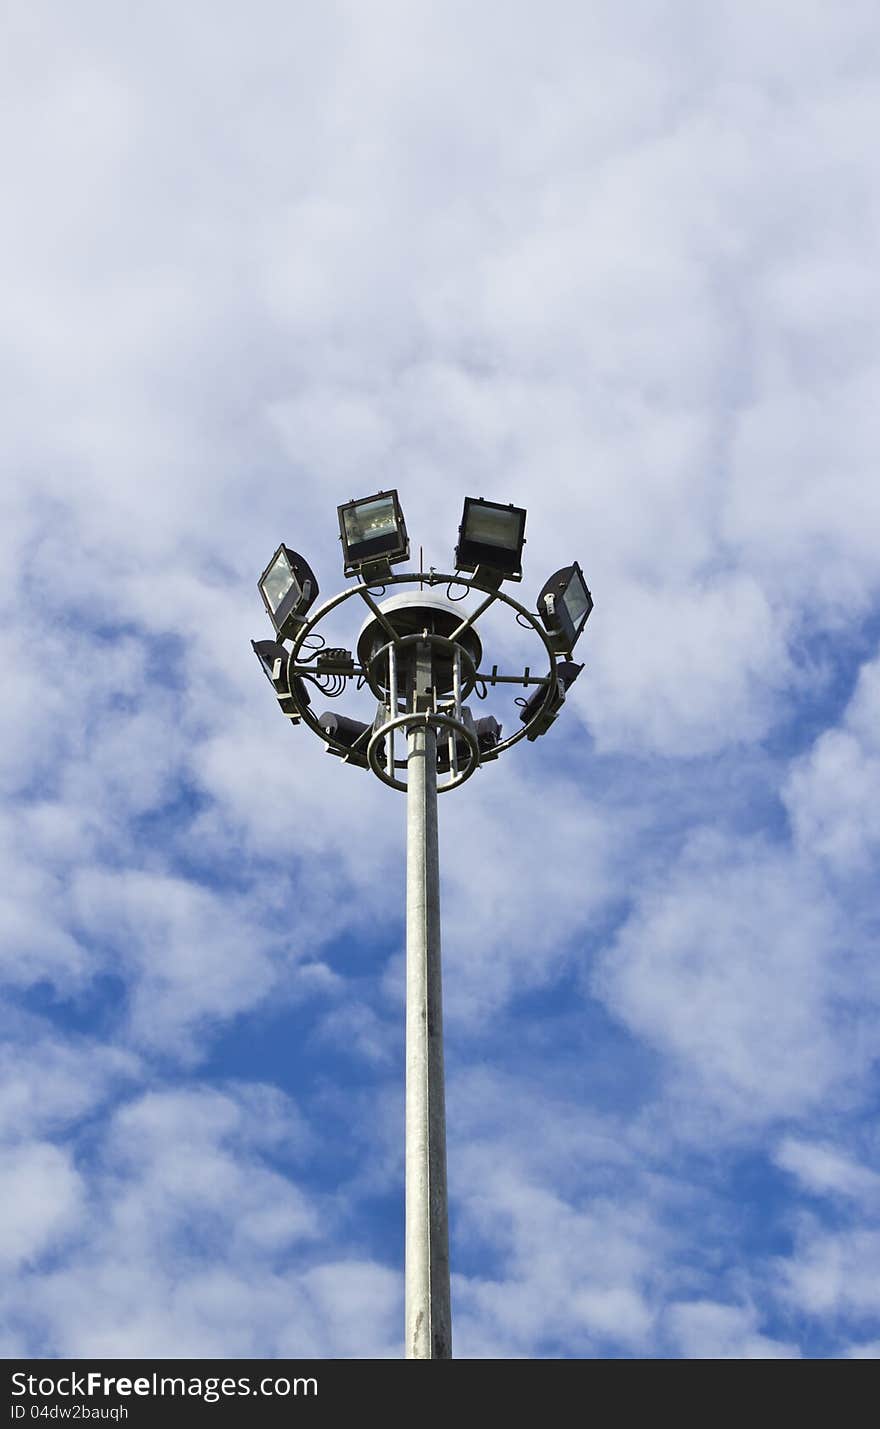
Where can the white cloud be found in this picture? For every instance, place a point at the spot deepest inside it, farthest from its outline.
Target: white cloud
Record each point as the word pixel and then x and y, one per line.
pixel 194 959
pixel 686 672
pixel 563 1210
pixel 576 1276
pixel 524 867
pixel 834 1274
pixel 704 1329
pixel 729 965
pixel 182 1230
pixel 41 1193
pixel 47 1083
pixel 825 1170
pixel 870 1350
pixel 833 792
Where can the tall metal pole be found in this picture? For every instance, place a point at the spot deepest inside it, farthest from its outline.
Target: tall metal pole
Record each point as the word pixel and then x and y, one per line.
pixel 428 1313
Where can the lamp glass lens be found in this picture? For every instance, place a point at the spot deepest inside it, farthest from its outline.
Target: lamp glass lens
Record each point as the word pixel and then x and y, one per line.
pixel 369 520
pixel 489 527
pixel 576 600
pixel 279 580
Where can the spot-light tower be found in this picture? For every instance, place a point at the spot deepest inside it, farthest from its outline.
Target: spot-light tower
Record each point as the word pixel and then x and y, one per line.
pixel 420 657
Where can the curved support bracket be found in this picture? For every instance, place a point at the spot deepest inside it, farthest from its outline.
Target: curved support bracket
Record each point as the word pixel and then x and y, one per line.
pixel 411 720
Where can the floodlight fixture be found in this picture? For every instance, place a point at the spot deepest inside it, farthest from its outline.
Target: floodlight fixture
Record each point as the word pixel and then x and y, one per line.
pixel 566 674
pixel 273 656
pixel 564 606
pixel 373 535
pixel 487 731
pixel 288 588
pixel 568 671
pixel 348 732
pixel 352 733
pixel 490 541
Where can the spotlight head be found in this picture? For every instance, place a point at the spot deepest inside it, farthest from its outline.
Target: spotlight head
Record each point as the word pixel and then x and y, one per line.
pixel 490 541
pixel 288 588
pixel 353 734
pixel 349 732
pixel 488 732
pixel 273 658
pixel 568 671
pixel 373 535
pixel 564 605
pixel 566 674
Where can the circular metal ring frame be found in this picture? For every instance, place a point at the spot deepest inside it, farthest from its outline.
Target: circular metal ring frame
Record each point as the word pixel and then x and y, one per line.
pixel 416 718
pixel 410 578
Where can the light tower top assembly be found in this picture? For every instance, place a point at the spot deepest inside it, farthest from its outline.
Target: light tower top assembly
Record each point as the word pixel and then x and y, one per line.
pixel 418 652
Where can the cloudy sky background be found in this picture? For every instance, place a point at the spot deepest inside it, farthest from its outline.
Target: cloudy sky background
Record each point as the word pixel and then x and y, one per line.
pixel 615 263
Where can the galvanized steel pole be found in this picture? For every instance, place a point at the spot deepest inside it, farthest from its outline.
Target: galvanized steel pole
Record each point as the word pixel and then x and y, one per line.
pixel 428 1312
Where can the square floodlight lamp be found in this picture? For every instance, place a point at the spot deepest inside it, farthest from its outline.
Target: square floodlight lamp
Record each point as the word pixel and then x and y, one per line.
pixel 564 606
pixel 492 536
pixel 288 588
pixel 373 532
pixel 273 657
pixel 567 672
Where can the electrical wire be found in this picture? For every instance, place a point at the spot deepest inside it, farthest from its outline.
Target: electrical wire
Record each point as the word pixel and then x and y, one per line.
pixel 332 685
pixel 329 685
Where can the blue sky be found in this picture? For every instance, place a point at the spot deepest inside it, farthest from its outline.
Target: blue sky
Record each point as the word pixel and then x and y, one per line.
pixel 616 264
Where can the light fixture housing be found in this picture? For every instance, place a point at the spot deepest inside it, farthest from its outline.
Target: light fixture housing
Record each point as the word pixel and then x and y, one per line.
pixel 490 541
pixel 354 734
pixel 373 535
pixel 274 659
pixel 567 672
pixel 488 733
pixel 564 606
pixel 288 587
